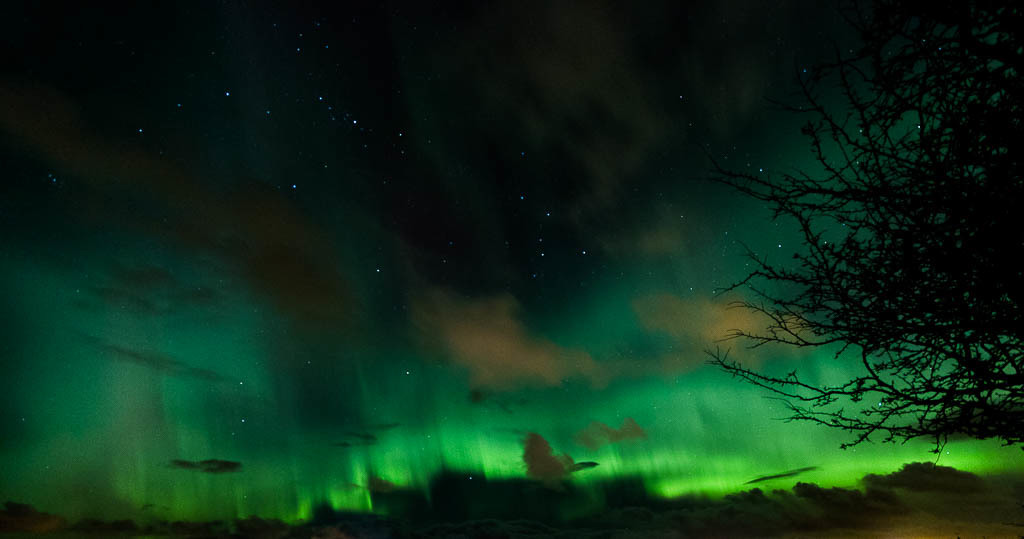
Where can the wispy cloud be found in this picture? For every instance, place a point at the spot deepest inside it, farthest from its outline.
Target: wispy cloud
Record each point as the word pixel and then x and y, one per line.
pixel 488 337
pixel 153 360
pixel 926 476
pixel 598 434
pixel 364 438
pixel 790 473
pixel 212 466
pixel 258 232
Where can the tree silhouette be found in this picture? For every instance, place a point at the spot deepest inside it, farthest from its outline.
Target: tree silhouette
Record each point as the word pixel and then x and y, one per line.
pixel 912 229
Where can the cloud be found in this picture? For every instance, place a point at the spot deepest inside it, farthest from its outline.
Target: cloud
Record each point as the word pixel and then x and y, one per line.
pixel 700 320
pixel 126 300
pixel 656 232
pixel 882 509
pixel 598 434
pixel 848 501
pixel 695 324
pixel 790 473
pixel 542 463
pixel 214 466
pixel 20 517
pixel 144 277
pixel 375 485
pixel 379 486
pixel 927 476
pixel 503 403
pixel 475 508
pixel 487 337
pixel 156 361
pixel 805 510
pixel 366 437
pixel 564 77
pixel 362 436
pixel 585 465
pixel 257 231
pixel 150 291
pixel 357 439
pixel 383 426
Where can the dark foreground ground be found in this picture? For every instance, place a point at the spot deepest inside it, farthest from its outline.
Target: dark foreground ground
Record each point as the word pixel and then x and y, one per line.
pixel 921 499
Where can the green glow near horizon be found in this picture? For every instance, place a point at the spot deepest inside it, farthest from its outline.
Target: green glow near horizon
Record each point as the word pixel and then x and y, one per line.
pixel 218 236
pixel 100 433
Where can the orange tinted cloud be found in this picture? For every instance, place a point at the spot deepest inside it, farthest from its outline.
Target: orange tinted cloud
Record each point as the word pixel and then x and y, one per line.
pixel 279 252
pixel 598 434
pixel 696 324
pixel 488 338
pixel 541 461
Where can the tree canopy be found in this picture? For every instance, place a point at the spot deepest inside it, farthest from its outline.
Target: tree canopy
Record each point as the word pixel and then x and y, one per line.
pixel 911 227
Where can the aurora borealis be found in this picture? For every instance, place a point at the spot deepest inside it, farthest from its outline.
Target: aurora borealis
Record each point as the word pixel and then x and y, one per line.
pixel 265 261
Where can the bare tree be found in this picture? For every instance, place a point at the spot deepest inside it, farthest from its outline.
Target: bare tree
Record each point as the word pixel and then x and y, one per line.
pixel 912 225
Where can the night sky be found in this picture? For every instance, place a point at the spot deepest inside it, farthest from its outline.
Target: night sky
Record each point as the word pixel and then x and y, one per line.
pixel 277 262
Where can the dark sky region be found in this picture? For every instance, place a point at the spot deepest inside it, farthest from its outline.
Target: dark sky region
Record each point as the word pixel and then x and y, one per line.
pixel 401 266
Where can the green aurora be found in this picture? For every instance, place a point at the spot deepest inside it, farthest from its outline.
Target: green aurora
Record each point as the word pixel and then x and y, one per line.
pixel 202 261
pixel 97 434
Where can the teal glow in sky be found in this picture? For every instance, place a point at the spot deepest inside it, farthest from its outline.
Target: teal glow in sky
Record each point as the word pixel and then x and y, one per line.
pixel 270 262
